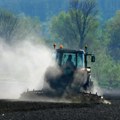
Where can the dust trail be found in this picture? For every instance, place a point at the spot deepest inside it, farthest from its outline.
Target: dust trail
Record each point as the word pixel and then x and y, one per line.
pixel 22 67
pixel 96 89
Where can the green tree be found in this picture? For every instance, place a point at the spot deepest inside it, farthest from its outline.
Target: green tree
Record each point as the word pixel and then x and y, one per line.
pixel 63 30
pixel 27 26
pixel 19 27
pixel 83 14
pixel 74 26
pixel 113 29
pixel 8 23
pixel 106 70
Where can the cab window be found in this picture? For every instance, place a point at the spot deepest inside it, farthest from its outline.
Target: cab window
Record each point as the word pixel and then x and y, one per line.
pixel 80 60
pixel 59 58
pixel 65 58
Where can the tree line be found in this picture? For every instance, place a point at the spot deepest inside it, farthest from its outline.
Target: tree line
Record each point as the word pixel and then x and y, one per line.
pixel 17 27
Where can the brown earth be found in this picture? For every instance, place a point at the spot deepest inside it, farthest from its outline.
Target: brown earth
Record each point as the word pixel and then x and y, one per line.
pixel 18 110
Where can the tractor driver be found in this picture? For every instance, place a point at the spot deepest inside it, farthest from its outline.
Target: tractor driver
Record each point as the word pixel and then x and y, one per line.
pixel 69 66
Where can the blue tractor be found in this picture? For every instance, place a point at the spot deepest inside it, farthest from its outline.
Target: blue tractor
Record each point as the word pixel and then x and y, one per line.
pixel 69 79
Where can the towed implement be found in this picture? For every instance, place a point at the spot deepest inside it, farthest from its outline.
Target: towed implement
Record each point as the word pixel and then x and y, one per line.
pixel 69 80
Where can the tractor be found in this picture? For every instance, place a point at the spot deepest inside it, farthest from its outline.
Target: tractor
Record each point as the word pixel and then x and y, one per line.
pixel 70 79
pixel 72 73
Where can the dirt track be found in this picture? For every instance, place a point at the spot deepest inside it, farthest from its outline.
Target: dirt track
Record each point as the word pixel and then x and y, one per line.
pixel 43 111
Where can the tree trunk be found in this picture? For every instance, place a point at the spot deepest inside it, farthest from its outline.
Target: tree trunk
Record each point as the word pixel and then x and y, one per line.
pixel 81 43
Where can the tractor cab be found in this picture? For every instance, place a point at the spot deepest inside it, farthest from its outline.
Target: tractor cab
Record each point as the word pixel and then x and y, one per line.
pixel 70 77
pixel 71 60
pixel 73 57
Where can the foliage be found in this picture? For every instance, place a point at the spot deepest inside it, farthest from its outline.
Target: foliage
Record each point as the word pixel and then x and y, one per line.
pixel 8 24
pixel 113 29
pixel 83 14
pixel 17 27
pixel 74 26
pixel 105 70
pixel 27 26
pixel 63 29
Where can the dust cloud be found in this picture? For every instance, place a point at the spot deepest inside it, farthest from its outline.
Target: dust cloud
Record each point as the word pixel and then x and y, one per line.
pixel 96 89
pixel 22 67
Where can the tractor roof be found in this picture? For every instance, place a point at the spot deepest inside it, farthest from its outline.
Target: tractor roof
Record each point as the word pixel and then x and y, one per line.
pixel 69 51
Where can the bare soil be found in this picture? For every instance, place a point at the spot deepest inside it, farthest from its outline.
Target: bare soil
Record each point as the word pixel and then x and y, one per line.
pixel 21 110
